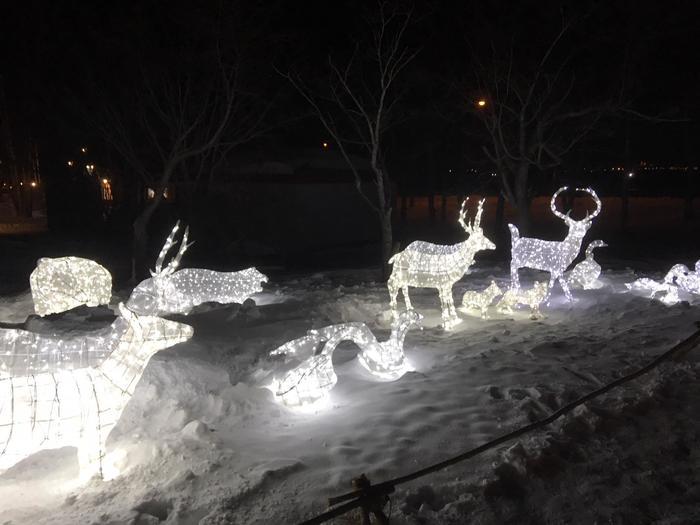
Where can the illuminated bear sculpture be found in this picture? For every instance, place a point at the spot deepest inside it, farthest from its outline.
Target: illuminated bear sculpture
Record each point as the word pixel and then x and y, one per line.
pixel 64 283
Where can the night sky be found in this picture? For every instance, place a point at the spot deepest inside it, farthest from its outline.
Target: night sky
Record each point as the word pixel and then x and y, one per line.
pixel 58 58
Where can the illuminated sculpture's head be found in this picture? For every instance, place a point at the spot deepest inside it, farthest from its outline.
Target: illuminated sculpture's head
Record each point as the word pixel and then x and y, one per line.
pixel 577 229
pixel 477 239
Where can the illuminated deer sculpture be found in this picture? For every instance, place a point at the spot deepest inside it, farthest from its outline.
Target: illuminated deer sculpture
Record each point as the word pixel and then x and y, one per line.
pixel 49 397
pixel 170 290
pixel 551 256
pixel 426 265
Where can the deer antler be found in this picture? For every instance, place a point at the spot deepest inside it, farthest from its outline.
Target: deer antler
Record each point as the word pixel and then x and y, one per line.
pixel 553 204
pixel 462 214
pixel 595 198
pixel 169 242
pixel 479 211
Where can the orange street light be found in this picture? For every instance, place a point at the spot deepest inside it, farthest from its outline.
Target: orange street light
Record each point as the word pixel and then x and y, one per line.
pixel 481 103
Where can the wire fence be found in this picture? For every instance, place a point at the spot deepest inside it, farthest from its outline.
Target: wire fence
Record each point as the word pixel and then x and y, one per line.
pixel 370 499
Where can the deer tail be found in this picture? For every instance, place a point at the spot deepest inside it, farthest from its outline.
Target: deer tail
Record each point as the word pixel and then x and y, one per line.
pixel 514 233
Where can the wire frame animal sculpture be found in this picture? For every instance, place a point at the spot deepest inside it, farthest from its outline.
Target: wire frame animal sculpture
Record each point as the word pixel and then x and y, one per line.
pixel 481 300
pixel 62 283
pixel 678 279
pixel 532 298
pixel 585 274
pixel 309 374
pixel 170 290
pixel 427 265
pixel 551 256
pixel 46 405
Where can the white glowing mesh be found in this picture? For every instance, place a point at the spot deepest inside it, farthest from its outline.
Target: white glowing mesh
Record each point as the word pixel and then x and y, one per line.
pixel 42 409
pixel 481 300
pixel 426 265
pixel 678 279
pixel 532 298
pixel 178 291
pixel 585 274
pixel 63 283
pixel 551 256
pixel 309 374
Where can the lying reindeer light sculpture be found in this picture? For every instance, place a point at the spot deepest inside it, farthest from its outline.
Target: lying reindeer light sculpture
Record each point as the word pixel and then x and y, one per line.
pixel 170 290
pixel 585 274
pixel 62 283
pixel 551 256
pixel 51 402
pixel 481 300
pixel 426 265
pixel 312 376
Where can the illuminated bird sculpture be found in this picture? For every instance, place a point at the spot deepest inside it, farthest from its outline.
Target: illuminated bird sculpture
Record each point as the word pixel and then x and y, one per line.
pixel 585 274
pixel 309 359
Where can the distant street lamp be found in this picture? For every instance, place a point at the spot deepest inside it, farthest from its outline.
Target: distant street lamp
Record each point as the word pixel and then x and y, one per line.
pixel 481 103
pixel 325 145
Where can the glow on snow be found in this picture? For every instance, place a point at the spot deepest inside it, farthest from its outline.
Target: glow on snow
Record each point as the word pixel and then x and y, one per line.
pixel 426 265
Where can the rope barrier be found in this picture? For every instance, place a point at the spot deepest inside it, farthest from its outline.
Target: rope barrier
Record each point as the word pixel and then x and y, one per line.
pixel 367 495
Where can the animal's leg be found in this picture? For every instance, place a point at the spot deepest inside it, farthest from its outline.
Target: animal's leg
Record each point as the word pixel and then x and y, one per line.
pixel 449 314
pixel 393 292
pixel 550 286
pixel 565 287
pixel 514 278
pixel 406 298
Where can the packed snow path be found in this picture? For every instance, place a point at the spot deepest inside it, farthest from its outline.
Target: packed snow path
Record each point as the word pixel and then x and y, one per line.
pixel 200 442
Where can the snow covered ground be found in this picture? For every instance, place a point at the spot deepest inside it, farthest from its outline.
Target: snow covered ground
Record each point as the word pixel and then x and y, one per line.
pixel 201 442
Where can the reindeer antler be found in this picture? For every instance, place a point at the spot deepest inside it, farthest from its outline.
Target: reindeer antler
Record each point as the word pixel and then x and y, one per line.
pixel 553 204
pixel 595 198
pixel 169 242
pixel 462 214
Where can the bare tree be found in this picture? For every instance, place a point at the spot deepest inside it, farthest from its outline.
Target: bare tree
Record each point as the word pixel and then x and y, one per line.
pixel 356 104
pixel 528 110
pixel 175 122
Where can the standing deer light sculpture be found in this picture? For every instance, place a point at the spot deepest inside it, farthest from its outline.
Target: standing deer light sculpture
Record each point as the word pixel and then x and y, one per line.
pixel 51 398
pixel 426 265
pixel 170 290
pixel 551 256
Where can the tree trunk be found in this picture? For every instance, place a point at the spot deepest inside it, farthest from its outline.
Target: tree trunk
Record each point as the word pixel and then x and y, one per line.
pixel 139 255
pixel 387 241
pixel 522 200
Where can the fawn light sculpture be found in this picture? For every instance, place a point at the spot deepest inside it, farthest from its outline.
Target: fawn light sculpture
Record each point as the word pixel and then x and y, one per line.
pixel 481 300
pixel 532 298
pixel 551 256
pixel 585 274
pixel 170 290
pixel 62 283
pixel 311 376
pixel 426 265
pixel 50 398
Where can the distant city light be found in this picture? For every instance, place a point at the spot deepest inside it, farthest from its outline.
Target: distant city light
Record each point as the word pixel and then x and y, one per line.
pixel 630 174
pixel 70 163
pixel 325 145
pixel 105 181
pixel 481 103
pixel 83 149
pixel 33 184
